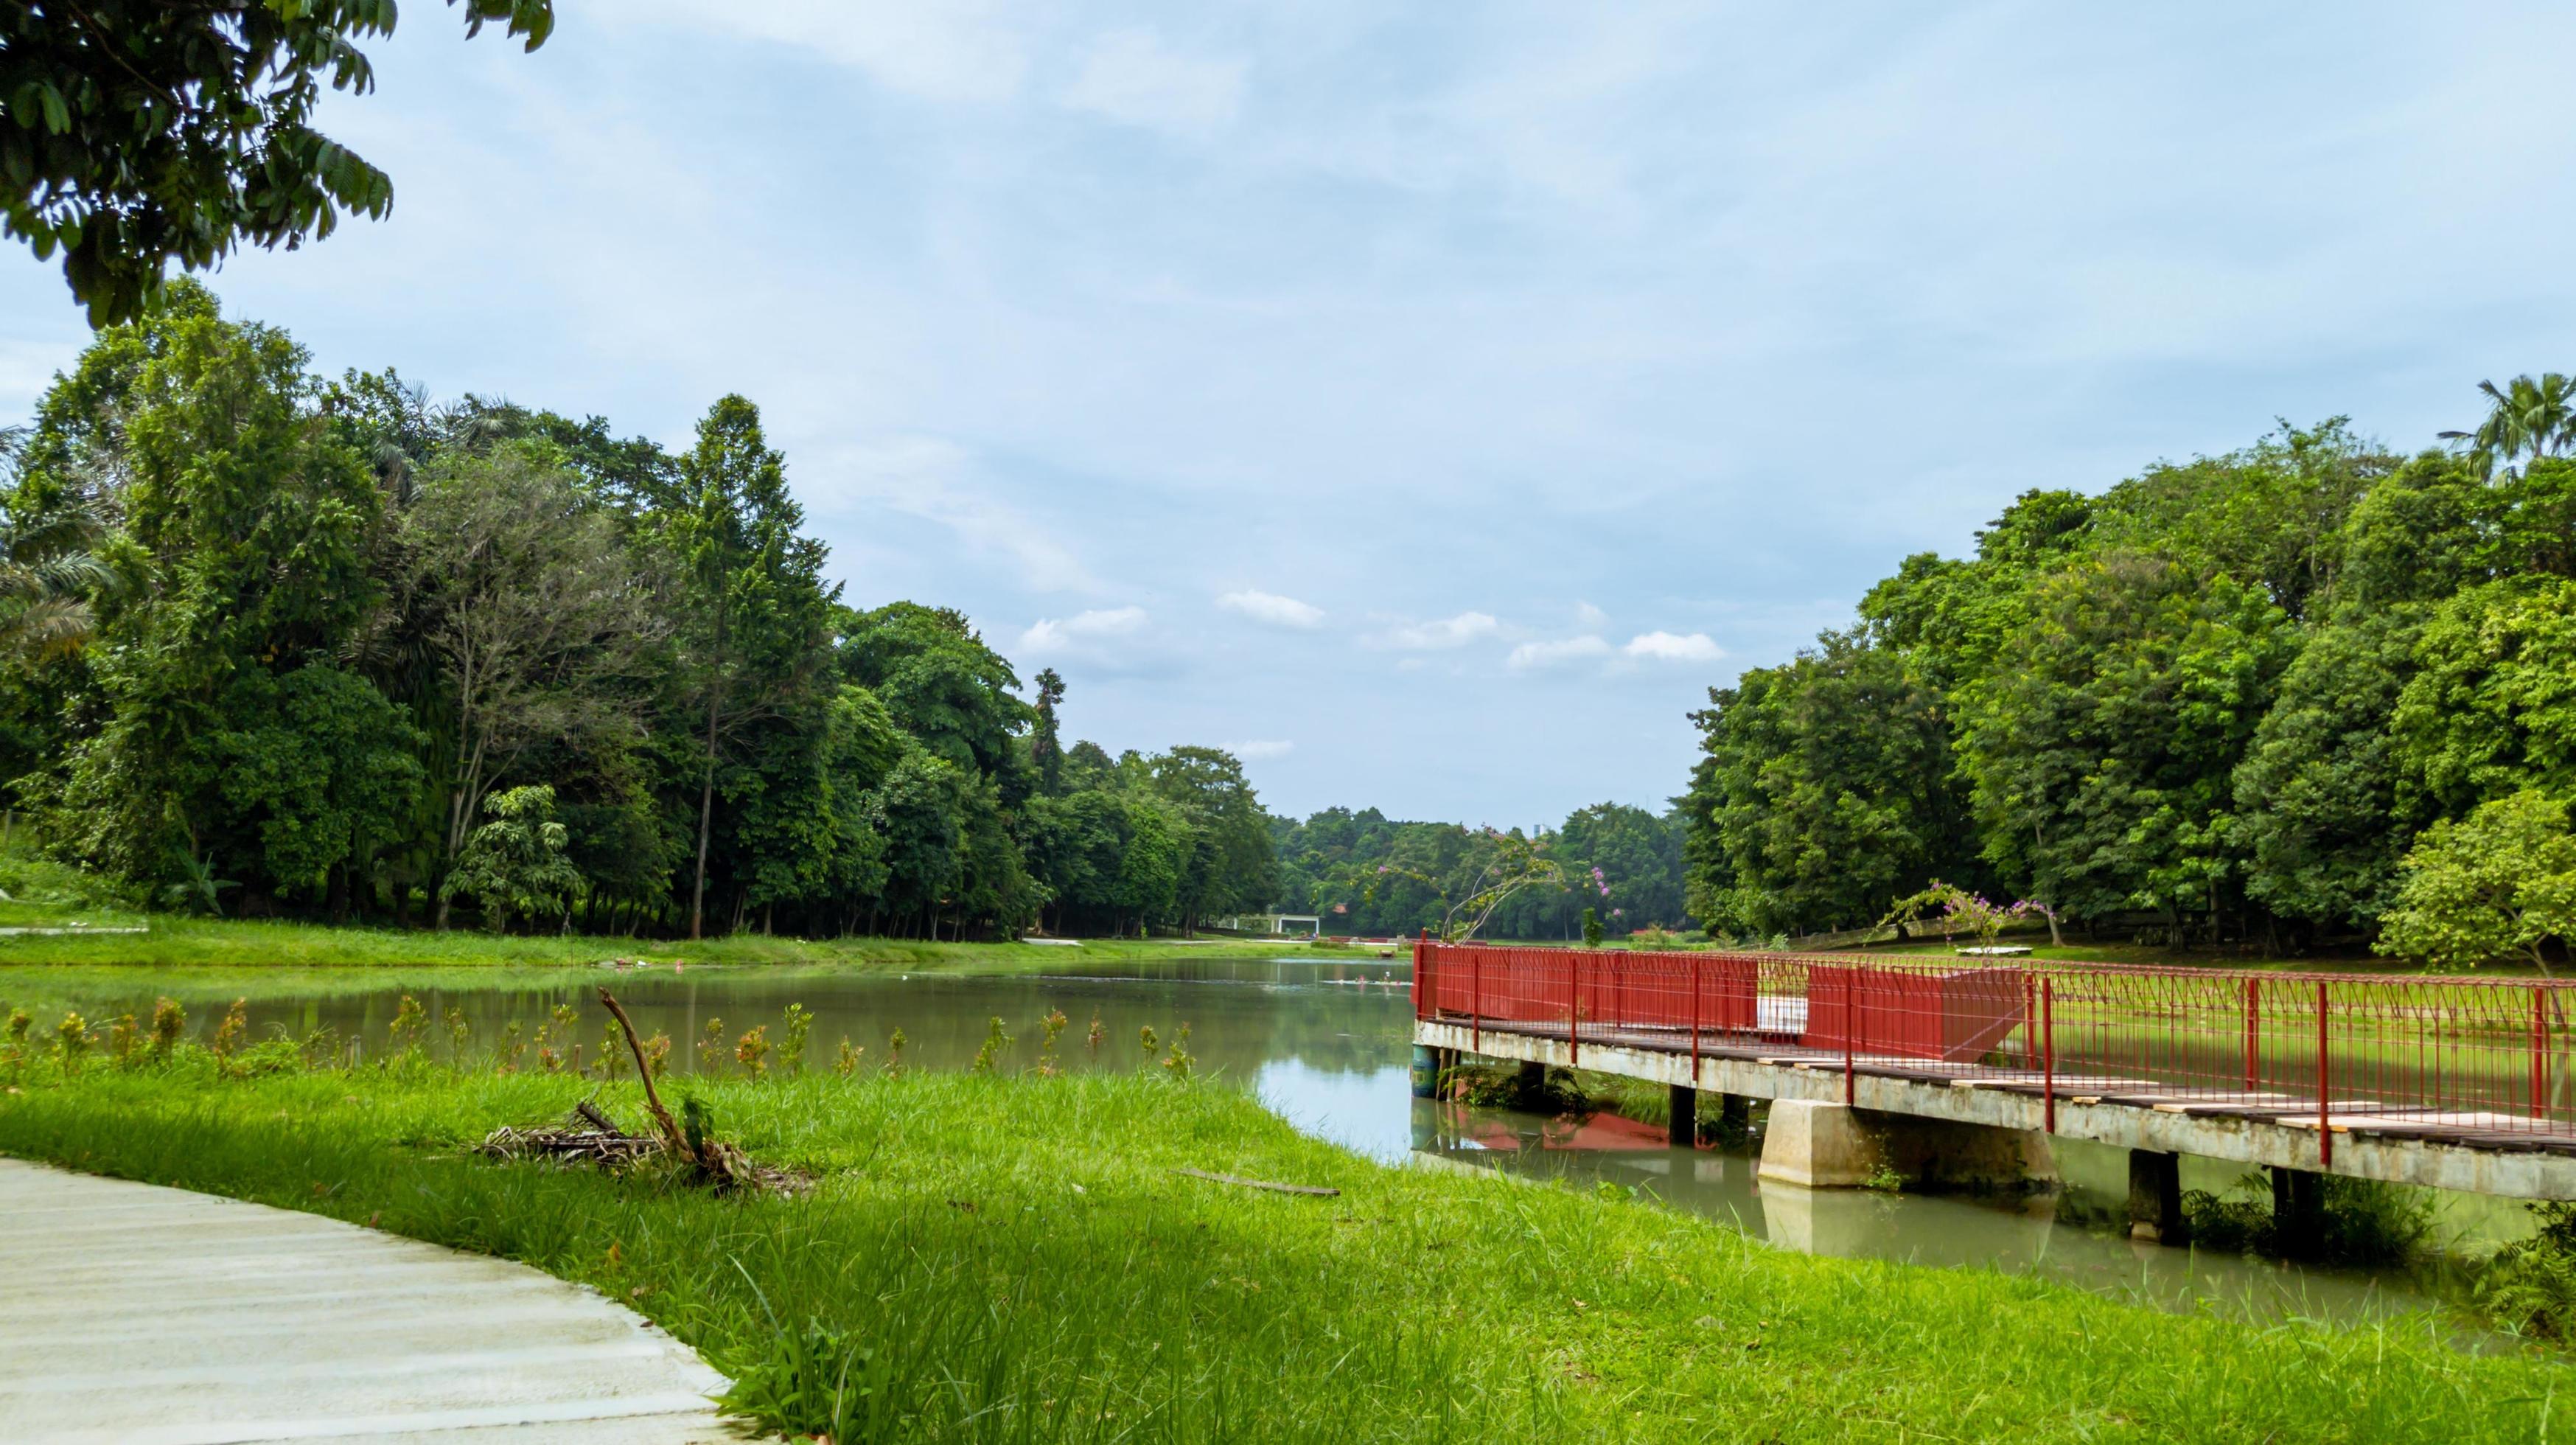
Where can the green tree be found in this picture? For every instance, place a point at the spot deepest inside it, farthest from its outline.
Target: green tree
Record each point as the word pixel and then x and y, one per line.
pixel 515 866
pixel 2316 797
pixel 2099 760
pixel 2491 708
pixel 136 132
pixel 2499 883
pixel 753 633
pixel 538 619
pixel 2525 418
pixel 1044 745
pixel 1824 789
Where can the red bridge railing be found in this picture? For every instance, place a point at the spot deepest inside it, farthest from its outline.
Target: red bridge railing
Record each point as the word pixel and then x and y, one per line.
pixel 2441 1055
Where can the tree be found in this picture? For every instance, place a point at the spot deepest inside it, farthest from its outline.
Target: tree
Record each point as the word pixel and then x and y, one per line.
pixel 1824 789
pixel 754 636
pixel 1044 746
pixel 2316 796
pixel 47 573
pixel 136 132
pixel 2498 883
pixel 2491 707
pixel 2524 418
pixel 515 865
pixel 537 615
pixel 326 771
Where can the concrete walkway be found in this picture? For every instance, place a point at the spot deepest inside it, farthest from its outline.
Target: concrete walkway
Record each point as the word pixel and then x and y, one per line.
pixel 150 1316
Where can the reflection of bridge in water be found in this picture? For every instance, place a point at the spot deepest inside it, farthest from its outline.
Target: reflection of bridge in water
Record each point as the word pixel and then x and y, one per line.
pixel 1955 1074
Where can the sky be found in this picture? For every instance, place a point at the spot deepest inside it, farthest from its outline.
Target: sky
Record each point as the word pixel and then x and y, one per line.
pixel 1431 402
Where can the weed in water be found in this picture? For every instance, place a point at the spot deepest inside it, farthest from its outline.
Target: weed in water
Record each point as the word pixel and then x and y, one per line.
pixel 711 1048
pixel 613 1052
pixel 403 1034
pixel 1099 1034
pixel 2360 1221
pixel 894 1053
pixel 994 1042
pixel 657 1053
pixel 752 1051
pixel 506 1055
pixel 791 1048
pixel 228 1034
pixel 1053 1027
pixel 1145 1037
pixel 120 1040
pixel 1178 1062
pixel 169 1022
pixel 460 1036
pixel 321 1048
pixel 846 1062
pixel 2529 1286
pixel 71 1041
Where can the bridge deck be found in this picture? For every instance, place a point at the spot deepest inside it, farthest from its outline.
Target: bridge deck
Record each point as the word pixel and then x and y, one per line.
pixel 2458 1083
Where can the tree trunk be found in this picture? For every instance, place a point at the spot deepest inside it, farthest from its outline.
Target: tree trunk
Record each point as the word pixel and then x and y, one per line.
pixel 706 821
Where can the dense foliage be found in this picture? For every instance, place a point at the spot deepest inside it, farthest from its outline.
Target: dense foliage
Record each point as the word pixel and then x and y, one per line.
pixel 2218 702
pixel 138 132
pixel 1366 874
pixel 271 644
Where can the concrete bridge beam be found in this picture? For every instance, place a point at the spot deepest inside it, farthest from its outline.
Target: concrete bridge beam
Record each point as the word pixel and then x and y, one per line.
pixel 2155 1196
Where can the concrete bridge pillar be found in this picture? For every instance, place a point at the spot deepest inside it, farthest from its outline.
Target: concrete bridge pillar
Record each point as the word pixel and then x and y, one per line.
pixel 1835 1146
pixel 1681 1122
pixel 2298 1212
pixel 2155 1196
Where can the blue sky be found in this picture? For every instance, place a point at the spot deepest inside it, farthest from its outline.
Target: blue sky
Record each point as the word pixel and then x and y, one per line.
pixel 1431 401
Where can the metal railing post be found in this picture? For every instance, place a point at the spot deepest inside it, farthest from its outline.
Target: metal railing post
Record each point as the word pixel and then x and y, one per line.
pixel 1851 1026
pixel 2048 1053
pixel 1476 1002
pixel 2325 1084
pixel 1695 962
pixel 2253 1036
pixel 2539 1052
pixel 1574 1011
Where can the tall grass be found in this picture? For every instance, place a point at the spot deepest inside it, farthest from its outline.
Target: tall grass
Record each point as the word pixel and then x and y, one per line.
pixel 1013 1257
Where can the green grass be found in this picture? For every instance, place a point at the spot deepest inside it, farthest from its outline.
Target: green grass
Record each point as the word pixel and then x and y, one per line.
pixel 181 940
pixel 995 1258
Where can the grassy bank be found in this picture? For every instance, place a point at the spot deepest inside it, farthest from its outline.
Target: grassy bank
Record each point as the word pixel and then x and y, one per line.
pixel 1014 1258
pixel 221 942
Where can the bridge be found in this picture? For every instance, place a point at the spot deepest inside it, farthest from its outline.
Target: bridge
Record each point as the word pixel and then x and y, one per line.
pixel 1959 1074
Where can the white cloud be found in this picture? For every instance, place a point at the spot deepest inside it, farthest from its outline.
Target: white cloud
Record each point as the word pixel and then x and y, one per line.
pixel 1437 636
pixel 1272 608
pixel 1674 647
pixel 939 481
pixel 954 50
pixel 1131 76
pixel 1589 615
pixel 1049 634
pixel 1549 654
pixel 1255 751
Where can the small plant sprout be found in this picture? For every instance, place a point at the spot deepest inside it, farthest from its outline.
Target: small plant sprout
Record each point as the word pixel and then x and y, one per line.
pixel 228 1034
pixel 791 1048
pixel 1099 1034
pixel 460 1036
pixel 752 1051
pixel 1178 1061
pixel 894 1053
pixel 612 1050
pixel 1053 1027
pixel 120 1040
pixel 711 1050
pixel 403 1034
pixel 657 1053
pixel 505 1058
pixel 72 1040
pixel 1146 1038
pixel 994 1042
pixel 169 1022
pixel 846 1062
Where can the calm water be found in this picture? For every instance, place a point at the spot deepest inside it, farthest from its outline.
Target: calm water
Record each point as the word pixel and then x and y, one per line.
pixel 1324 1043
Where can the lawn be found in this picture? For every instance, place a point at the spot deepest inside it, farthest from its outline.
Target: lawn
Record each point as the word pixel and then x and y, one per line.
pixel 176 939
pixel 1008 1258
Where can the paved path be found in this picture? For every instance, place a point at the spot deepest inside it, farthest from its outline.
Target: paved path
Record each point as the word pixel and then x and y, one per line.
pixel 150 1316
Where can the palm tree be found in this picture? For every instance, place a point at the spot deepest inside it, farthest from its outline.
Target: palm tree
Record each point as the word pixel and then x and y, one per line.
pixel 47 572
pixel 2537 418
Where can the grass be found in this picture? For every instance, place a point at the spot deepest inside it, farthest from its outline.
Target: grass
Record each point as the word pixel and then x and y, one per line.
pixel 217 942
pixel 1013 1258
